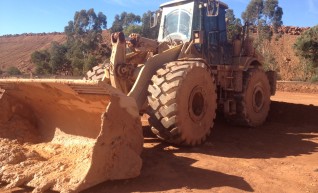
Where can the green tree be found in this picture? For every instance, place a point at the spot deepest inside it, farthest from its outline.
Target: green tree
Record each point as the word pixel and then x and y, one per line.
pixel 132 29
pixel 273 13
pixel 117 25
pixel 253 12
pixel 229 15
pixel 41 59
pixel 234 25
pixel 76 55
pixel 84 39
pixel 147 31
pixel 306 46
pixel 266 17
pixel 86 27
pixel 14 71
pixel 124 20
pixel 90 62
pixel 263 14
pixel 58 61
pixel 84 44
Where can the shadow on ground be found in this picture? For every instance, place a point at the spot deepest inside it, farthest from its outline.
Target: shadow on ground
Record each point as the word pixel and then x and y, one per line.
pixel 163 171
pixel 289 131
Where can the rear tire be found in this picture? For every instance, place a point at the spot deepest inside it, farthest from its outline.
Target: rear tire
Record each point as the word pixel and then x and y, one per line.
pixel 182 100
pixel 254 106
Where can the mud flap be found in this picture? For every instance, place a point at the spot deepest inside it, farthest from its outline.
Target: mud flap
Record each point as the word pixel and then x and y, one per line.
pixel 57 135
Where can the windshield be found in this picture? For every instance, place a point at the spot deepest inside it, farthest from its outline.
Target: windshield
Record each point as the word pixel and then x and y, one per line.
pixel 176 23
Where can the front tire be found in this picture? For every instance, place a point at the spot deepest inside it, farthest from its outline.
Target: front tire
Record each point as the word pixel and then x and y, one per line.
pixel 182 100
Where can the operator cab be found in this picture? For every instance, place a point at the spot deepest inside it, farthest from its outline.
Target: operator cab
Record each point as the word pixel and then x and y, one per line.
pixel 180 17
pixel 176 22
pixel 199 21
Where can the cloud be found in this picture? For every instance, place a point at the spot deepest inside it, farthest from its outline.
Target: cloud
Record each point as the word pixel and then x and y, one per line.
pixel 313 6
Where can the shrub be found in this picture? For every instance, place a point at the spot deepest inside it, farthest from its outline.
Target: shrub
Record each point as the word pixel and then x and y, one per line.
pixel 306 47
pixel 314 78
pixel 14 71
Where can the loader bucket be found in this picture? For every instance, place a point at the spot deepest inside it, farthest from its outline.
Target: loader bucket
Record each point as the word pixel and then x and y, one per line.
pixel 66 135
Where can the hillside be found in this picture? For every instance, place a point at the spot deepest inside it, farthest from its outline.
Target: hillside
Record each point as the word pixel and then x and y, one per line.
pixel 289 65
pixel 16 51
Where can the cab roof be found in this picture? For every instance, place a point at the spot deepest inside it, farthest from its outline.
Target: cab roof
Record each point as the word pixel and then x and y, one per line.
pixel 170 3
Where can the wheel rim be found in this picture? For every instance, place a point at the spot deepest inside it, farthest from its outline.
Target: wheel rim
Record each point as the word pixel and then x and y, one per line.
pixel 258 99
pixel 196 104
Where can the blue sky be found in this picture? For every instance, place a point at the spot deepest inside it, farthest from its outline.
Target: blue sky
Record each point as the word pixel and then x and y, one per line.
pixel 24 16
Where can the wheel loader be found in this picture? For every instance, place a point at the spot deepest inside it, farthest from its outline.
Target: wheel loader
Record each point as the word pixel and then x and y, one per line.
pixel 68 135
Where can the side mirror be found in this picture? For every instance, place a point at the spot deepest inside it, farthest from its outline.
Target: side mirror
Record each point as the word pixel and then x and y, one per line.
pixel 154 18
pixel 213 8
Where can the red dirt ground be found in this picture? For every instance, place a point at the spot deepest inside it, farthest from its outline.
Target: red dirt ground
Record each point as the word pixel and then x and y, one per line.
pixel 280 156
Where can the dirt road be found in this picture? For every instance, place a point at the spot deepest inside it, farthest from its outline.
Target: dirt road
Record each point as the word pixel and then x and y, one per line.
pixel 280 156
pixel 296 98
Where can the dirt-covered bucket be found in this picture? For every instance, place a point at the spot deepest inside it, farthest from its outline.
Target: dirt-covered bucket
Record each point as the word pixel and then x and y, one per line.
pixel 66 135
